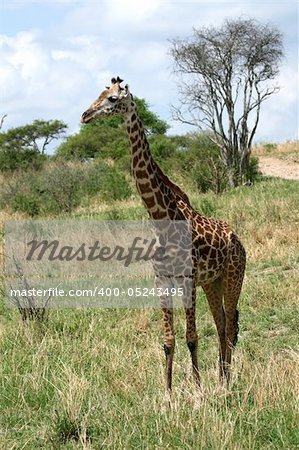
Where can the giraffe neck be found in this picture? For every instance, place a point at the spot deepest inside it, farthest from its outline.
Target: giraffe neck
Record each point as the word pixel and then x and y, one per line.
pixel 148 175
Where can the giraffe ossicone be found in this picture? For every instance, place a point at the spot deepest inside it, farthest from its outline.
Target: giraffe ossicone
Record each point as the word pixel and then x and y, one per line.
pixel 218 256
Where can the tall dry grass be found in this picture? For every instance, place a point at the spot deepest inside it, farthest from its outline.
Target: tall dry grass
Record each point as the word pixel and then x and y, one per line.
pixel 91 379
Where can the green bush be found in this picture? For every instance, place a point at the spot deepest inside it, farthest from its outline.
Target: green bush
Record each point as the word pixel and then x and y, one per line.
pixel 202 164
pixel 191 160
pixel 27 203
pixel 209 174
pixel 53 190
pixel 59 187
pixel 106 180
pixel 253 172
pixel 16 193
pixel 62 186
pixel 12 159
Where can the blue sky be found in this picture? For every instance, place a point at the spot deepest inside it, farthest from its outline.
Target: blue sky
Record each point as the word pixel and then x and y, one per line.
pixel 57 56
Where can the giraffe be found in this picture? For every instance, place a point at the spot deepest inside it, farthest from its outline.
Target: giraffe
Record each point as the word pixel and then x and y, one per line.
pixel 218 256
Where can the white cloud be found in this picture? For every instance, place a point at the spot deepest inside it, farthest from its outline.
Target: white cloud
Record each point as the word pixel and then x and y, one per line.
pixel 25 54
pixel 41 80
pixel 131 11
pixel 85 51
pixel 279 115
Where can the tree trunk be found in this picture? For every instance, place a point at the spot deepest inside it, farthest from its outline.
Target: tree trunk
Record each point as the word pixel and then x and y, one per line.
pixel 228 159
pixel 231 177
pixel 244 164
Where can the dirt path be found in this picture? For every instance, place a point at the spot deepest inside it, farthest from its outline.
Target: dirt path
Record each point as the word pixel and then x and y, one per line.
pixel 275 167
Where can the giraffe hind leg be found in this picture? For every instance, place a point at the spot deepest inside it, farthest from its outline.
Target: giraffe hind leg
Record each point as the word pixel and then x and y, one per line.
pixel 191 332
pixel 231 331
pixel 232 285
pixel 214 294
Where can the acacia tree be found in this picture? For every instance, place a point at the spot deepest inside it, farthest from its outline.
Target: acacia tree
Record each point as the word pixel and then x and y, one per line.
pixel 25 145
pixel 36 136
pixel 226 73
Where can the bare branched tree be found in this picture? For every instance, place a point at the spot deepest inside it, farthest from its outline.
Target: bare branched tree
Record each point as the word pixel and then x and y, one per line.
pixel 226 74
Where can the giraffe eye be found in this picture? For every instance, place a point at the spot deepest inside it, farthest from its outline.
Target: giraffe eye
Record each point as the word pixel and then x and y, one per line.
pixel 113 98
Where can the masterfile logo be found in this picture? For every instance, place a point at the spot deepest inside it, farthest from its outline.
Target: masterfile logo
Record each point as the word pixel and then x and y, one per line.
pixel 106 259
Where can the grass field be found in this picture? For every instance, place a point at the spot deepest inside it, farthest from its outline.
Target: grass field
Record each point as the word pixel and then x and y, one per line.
pixel 92 379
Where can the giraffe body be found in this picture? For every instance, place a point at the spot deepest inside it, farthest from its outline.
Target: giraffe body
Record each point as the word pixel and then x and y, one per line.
pixel 218 257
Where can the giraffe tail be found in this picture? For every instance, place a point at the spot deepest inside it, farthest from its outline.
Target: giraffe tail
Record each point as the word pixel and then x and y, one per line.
pixel 236 328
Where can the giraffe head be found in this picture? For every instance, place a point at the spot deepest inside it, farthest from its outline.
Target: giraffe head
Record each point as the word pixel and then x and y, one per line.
pixel 113 100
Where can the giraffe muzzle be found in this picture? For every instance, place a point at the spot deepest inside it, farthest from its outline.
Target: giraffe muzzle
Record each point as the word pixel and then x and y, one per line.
pixel 87 116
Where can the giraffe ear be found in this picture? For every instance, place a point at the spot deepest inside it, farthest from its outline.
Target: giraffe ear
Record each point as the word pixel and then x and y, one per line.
pixel 126 88
pixel 119 80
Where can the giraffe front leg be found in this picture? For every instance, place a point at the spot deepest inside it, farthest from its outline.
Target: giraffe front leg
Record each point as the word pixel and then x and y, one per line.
pixel 166 302
pixel 169 345
pixel 191 333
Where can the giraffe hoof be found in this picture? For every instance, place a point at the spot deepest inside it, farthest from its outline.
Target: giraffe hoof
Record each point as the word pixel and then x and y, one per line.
pixel 191 346
pixel 167 350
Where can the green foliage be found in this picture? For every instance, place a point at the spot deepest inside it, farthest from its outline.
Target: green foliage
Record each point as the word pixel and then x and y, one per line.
pixel 14 158
pixel 36 135
pixel 25 146
pixel 152 123
pixel 61 186
pixel 162 148
pixel 95 140
pixel 203 163
pixel 27 203
pixel 106 180
pixel 207 207
pixel 191 159
pixel 55 189
pixel 252 172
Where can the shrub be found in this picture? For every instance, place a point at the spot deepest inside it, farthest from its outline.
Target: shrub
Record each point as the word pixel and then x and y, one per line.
pixel 12 159
pixel 253 172
pixel 209 174
pixel 202 163
pixel 62 186
pixel 59 187
pixel 55 189
pixel 26 202
pixel 104 179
